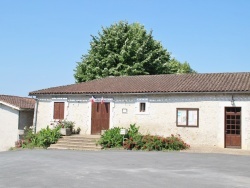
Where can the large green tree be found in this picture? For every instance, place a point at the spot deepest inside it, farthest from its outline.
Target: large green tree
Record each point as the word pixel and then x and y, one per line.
pixel 176 66
pixel 123 49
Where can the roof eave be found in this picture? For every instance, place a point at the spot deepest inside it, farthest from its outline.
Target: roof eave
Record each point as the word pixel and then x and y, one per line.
pixel 142 93
pixel 10 105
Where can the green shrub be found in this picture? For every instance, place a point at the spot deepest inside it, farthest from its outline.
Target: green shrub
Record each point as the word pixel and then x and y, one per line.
pixel 48 136
pixel 43 138
pixel 111 138
pixel 135 140
pixel 157 143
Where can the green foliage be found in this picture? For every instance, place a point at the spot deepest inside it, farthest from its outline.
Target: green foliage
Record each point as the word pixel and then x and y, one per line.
pixel 43 138
pixel 48 136
pixel 111 138
pixel 66 124
pixel 30 138
pixel 135 140
pixel 123 49
pixel 133 131
pixel 157 143
pixel 175 66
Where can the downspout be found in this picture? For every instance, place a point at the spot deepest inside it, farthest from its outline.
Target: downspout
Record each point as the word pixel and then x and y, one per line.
pixel 18 126
pixel 35 115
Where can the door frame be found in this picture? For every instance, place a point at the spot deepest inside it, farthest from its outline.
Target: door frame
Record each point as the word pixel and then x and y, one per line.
pixel 111 111
pixel 225 119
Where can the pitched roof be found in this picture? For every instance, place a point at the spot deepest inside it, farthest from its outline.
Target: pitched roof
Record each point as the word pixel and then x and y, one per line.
pixel 167 83
pixel 18 102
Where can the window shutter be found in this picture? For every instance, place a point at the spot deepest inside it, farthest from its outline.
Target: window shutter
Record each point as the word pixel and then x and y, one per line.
pixel 61 116
pixel 58 110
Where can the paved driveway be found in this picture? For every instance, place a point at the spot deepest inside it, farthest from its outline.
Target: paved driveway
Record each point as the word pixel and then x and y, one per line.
pixel 65 168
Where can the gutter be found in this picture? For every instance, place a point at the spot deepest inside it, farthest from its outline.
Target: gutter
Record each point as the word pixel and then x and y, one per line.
pixel 18 126
pixel 142 93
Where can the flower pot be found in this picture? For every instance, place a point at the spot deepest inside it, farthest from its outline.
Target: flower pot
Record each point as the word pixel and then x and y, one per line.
pixel 65 131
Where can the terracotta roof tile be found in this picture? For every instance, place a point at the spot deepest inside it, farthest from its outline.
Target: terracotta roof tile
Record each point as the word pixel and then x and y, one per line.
pixel 213 82
pixel 20 102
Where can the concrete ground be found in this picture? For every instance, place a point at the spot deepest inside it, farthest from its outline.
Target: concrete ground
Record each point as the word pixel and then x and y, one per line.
pixel 202 149
pixel 68 168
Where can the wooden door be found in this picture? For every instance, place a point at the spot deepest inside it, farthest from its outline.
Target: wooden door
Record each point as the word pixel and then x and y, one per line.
pixel 100 117
pixel 233 127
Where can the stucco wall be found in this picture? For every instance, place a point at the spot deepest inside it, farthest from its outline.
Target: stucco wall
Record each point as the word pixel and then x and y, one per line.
pixel 161 116
pixel 8 127
pixel 44 116
pixel 161 119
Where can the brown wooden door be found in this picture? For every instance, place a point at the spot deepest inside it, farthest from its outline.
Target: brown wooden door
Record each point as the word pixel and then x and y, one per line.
pixel 233 127
pixel 100 117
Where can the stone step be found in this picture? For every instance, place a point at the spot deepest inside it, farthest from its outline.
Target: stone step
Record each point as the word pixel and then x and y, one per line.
pixel 77 142
pixel 82 136
pixel 77 138
pixel 74 147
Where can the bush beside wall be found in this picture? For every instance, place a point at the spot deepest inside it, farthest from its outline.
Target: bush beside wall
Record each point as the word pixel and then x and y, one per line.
pixel 135 140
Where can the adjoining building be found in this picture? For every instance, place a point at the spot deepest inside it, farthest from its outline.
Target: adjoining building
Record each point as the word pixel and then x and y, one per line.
pixel 15 114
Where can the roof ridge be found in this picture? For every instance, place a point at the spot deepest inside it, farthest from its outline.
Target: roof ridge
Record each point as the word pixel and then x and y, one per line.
pixel 15 96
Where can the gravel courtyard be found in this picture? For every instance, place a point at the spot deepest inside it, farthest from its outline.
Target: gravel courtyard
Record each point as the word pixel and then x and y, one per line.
pixel 68 168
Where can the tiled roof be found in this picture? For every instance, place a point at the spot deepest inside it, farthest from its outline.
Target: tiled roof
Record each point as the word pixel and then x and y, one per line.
pixel 167 83
pixel 19 102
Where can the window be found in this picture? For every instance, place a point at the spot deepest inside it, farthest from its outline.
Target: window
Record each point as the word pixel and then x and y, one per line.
pixel 58 110
pixel 142 107
pixel 187 117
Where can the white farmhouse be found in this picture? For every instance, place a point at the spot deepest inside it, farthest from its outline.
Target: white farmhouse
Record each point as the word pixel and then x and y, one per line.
pixel 205 109
pixel 15 114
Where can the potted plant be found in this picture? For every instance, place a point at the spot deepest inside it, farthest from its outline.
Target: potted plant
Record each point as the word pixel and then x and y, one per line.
pixel 66 127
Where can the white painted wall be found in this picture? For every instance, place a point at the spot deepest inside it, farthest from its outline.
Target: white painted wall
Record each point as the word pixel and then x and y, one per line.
pixel 44 113
pixel 8 127
pixel 160 118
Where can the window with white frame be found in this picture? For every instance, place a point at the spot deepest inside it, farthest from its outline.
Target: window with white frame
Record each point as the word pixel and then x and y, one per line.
pixel 59 108
pixel 187 117
pixel 142 106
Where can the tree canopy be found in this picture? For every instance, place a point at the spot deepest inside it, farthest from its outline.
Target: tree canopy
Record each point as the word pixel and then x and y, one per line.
pixel 176 66
pixel 126 49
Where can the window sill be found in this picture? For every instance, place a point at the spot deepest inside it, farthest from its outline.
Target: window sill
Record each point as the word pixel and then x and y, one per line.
pixel 189 126
pixel 142 113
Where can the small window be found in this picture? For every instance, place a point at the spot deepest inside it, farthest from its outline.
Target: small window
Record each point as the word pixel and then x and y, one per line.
pixel 142 107
pixel 58 110
pixel 187 117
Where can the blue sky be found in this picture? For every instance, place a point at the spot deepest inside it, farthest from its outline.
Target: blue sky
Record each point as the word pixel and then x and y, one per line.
pixel 41 41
